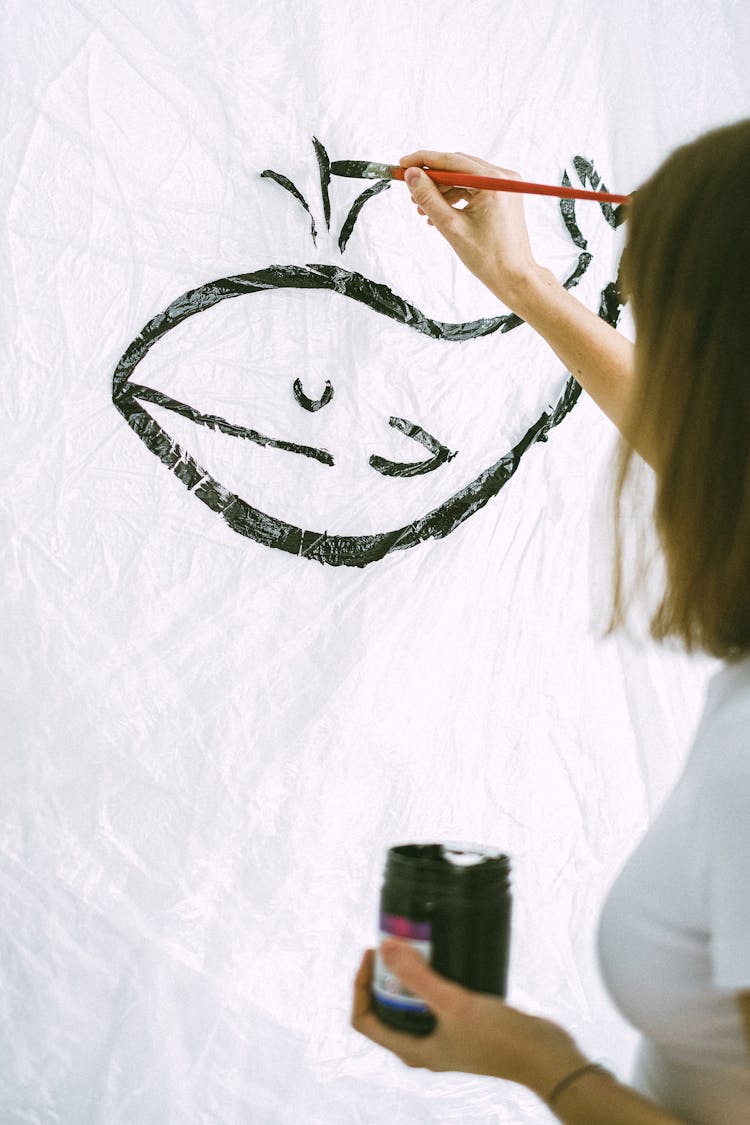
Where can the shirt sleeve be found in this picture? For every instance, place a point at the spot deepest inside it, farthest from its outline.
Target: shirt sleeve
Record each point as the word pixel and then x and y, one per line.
pixel 728 808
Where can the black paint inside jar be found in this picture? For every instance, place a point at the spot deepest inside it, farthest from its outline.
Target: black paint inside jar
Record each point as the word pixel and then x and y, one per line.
pixel 453 903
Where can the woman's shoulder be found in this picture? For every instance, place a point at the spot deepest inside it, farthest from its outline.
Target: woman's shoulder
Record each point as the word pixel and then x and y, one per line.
pixel 728 695
pixel 724 737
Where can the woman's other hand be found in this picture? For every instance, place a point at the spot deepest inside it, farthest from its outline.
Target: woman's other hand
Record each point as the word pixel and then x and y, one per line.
pixel 475 1032
pixel 489 233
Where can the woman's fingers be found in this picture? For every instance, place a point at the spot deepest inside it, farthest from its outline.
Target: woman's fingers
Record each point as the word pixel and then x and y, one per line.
pixel 432 203
pixel 456 162
pixel 489 232
pixel 455 195
pixel 450 195
pixel 448 161
pixel 413 1050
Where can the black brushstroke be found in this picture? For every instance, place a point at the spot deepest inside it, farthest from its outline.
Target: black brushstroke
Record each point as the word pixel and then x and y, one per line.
pixel 312 404
pixel 359 169
pixel 289 186
pixel 356 207
pixel 611 303
pixel 586 172
pixel 440 452
pixel 622 211
pixel 214 422
pixel 339 550
pixel 324 165
pixel 621 297
pixel 568 209
pixel 568 212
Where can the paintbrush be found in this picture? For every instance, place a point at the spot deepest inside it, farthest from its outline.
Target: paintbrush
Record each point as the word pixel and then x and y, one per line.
pixel 364 170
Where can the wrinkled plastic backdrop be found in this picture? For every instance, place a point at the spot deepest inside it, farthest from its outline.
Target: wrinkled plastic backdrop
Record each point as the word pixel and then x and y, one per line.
pixel 209 743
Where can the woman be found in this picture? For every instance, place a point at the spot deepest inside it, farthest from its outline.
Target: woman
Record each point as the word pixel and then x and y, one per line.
pixel 674 937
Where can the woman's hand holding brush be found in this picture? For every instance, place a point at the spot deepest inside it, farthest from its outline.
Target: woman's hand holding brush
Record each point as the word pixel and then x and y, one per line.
pixel 489 233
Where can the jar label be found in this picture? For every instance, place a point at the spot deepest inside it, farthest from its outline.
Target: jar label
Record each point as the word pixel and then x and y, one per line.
pixel 386 986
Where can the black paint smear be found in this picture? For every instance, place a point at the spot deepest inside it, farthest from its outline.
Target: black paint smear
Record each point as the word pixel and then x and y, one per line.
pixel 568 210
pixel 441 453
pixel 338 550
pixel 214 422
pixel 313 404
pixel 289 186
pixel 324 165
pixel 356 207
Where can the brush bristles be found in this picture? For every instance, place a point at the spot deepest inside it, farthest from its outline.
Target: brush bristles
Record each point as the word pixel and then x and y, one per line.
pixel 378 172
pixel 364 170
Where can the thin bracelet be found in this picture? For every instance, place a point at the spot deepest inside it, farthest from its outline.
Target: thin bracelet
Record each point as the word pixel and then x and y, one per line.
pixel 572 1077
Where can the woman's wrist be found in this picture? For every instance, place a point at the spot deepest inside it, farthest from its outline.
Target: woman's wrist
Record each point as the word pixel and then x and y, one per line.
pixel 522 292
pixel 548 1074
pixel 551 1056
pixel 588 1071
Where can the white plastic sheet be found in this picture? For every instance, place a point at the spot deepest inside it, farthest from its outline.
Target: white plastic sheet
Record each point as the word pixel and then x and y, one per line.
pixel 209 742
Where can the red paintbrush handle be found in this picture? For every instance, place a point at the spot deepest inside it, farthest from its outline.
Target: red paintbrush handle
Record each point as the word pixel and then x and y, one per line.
pixel 494 183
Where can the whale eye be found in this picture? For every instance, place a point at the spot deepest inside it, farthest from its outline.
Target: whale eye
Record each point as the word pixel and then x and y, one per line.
pixel 440 453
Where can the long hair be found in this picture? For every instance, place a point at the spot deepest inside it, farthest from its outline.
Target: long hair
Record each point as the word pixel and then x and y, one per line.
pixel 686 271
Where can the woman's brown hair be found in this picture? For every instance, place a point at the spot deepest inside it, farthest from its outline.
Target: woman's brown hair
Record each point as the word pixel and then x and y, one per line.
pixel 686 270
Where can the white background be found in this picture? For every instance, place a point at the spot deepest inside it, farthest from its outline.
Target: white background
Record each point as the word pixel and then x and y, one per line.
pixel 208 745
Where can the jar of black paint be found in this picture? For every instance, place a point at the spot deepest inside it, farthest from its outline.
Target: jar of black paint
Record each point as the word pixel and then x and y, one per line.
pixel 452 902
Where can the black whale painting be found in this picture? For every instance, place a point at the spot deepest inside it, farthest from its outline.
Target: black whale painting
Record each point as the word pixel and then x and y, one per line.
pixel 132 398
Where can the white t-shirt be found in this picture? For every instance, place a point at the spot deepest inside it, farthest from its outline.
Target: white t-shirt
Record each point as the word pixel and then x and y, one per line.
pixel 674 935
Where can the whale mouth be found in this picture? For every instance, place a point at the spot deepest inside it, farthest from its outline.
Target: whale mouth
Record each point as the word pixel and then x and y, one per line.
pixel 440 453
